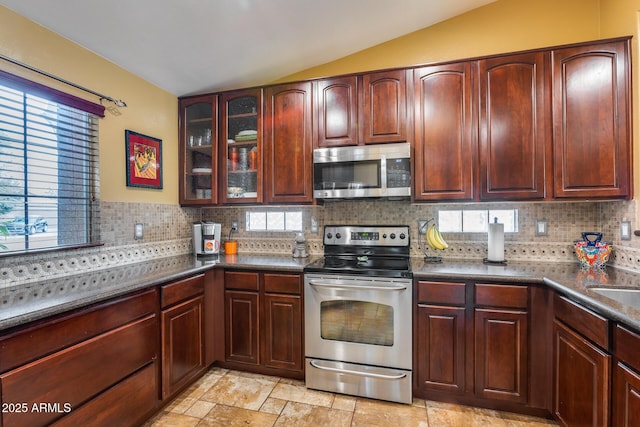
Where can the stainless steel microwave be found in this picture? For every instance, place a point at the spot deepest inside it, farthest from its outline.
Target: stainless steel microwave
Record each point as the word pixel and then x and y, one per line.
pixel 382 170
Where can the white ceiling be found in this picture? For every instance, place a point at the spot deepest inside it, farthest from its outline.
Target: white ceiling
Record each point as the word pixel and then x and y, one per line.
pixel 194 46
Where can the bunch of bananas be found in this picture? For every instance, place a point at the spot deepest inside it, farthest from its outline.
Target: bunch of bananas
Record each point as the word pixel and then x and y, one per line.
pixel 434 238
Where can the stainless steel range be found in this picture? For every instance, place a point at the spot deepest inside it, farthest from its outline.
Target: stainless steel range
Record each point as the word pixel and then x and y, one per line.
pixel 358 326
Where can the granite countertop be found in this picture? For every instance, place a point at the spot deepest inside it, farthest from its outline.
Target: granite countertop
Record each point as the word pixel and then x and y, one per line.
pixel 28 302
pixel 567 278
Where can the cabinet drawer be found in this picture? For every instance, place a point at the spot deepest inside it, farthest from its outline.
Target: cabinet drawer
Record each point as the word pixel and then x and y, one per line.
pixel 244 280
pixel 182 290
pixel 508 296
pixel 586 322
pixel 441 292
pixel 127 404
pixel 626 345
pixel 283 283
pixel 77 373
pixel 40 340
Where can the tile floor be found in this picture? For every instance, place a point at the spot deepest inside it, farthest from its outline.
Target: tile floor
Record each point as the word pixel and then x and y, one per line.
pixel 231 398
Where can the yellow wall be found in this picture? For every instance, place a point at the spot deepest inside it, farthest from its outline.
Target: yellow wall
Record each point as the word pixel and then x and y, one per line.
pixel 150 111
pixel 620 17
pixel 499 27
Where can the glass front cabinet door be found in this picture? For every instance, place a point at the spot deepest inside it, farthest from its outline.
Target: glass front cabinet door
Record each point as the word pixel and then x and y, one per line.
pixel 199 150
pixel 241 146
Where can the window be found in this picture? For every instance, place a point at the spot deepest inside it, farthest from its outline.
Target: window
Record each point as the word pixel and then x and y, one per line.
pixel 274 221
pixel 476 221
pixel 49 167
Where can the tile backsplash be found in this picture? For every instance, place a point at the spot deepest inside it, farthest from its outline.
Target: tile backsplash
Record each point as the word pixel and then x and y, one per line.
pixel 167 232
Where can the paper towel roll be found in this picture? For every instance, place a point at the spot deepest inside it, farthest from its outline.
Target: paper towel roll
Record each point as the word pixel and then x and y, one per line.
pixel 495 242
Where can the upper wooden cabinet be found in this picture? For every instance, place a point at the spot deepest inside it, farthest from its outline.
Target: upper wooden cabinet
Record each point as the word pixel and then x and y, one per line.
pixel 550 124
pixel 198 150
pixel 288 143
pixel 513 127
pixel 365 109
pixel 591 120
pixel 444 136
pixel 241 146
pixel 337 111
pixel 545 124
pixel 509 129
pixel 382 107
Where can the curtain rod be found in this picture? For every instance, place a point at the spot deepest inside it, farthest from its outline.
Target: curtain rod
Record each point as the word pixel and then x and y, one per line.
pixel 118 102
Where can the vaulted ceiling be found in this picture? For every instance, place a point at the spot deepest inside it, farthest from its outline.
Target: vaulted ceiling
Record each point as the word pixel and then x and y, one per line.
pixel 192 46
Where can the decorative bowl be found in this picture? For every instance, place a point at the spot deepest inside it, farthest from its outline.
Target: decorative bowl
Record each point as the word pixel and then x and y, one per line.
pixel 593 254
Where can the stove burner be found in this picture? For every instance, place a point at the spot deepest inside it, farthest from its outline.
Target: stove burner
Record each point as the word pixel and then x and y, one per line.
pixel 333 262
pixel 381 266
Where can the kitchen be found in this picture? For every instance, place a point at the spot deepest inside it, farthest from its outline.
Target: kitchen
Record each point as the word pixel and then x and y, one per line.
pixel 167 226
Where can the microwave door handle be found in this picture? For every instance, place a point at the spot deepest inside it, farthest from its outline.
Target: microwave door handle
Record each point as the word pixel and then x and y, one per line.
pixel 383 172
pixel 363 374
pixel 359 287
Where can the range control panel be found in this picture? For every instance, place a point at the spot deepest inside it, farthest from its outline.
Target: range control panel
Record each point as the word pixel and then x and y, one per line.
pixel 355 235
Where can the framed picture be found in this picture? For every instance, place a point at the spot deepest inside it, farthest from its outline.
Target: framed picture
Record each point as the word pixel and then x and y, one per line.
pixel 144 160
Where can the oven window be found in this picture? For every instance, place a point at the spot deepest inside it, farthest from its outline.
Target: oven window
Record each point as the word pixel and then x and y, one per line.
pixel 357 322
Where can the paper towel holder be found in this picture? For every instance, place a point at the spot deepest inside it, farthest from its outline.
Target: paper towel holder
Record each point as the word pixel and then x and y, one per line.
pixel 503 261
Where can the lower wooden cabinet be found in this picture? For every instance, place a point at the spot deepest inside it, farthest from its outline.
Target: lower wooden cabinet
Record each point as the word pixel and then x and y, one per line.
pixel 191 331
pixel 501 351
pixel 242 327
pixel 120 405
pixel 626 378
pixel 581 366
pixel 581 385
pixel 112 363
pixel 626 396
pixel 282 346
pixel 472 345
pixel 264 322
pixel 182 344
pixel 501 341
pixel 440 361
pixel 88 365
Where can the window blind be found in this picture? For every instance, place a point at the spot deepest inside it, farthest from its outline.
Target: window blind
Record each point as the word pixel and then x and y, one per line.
pixel 48 174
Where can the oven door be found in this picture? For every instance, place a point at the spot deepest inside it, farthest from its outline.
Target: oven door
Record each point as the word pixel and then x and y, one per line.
pixel 358 319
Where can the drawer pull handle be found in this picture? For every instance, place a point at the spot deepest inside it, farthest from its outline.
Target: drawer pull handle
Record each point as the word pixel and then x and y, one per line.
pixel 317 365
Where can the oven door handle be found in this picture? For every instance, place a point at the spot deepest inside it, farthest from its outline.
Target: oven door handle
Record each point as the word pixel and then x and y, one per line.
pixel 352 372
pixel 353 286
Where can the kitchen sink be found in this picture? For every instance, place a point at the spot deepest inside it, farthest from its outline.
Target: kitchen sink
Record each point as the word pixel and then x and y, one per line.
pixel 630 297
